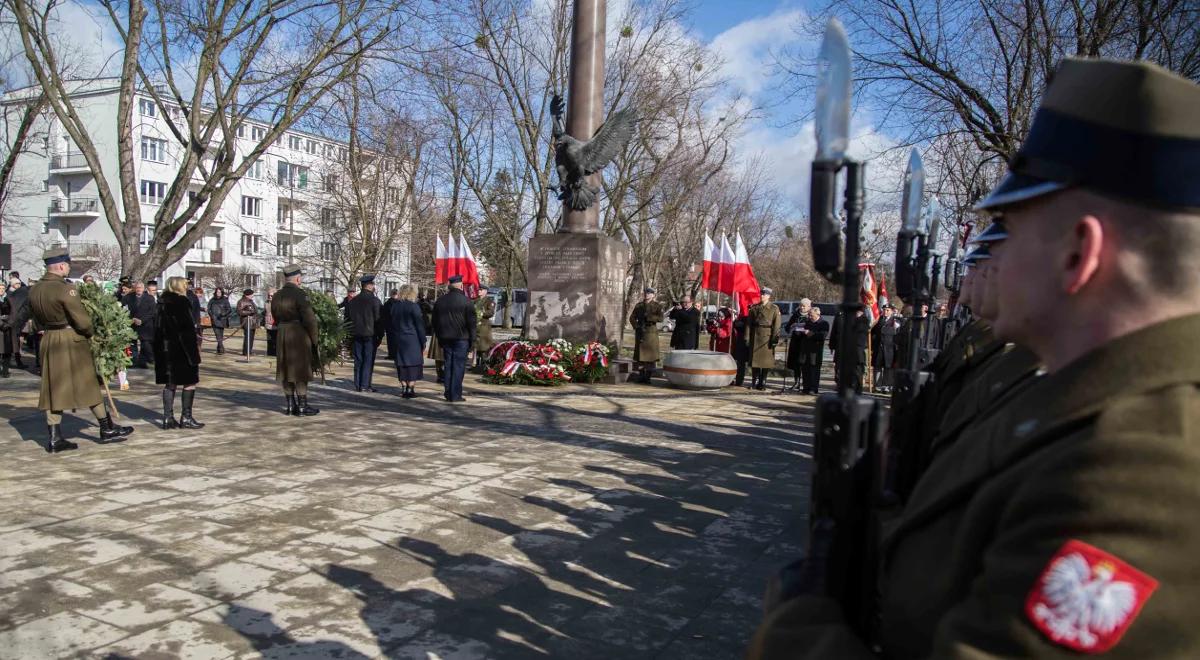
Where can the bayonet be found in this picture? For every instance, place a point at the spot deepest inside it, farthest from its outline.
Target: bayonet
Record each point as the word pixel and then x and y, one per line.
pixel 832 123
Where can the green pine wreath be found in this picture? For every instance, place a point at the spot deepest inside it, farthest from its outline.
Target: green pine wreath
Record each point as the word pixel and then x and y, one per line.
pixel 112 330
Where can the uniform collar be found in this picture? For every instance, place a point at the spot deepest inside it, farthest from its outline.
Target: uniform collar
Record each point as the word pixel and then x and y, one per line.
pixel 1052 407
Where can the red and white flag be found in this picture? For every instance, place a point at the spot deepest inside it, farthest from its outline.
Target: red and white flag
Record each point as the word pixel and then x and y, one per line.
pixel 709 263
pixel 725 267
pixel 469 268
pixel 440 258
pixel 868 294
pixel 745 284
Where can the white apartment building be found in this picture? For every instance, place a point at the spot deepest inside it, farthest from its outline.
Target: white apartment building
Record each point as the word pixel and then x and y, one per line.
pixel 283 210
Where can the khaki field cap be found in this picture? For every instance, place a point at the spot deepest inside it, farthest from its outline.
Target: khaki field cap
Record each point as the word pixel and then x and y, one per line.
pixel 1129 130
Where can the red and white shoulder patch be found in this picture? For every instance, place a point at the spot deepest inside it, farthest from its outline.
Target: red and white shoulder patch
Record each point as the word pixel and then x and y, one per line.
pixel 1086 598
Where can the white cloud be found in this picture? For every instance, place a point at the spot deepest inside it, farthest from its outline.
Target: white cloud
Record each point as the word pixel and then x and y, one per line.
pixel 745 49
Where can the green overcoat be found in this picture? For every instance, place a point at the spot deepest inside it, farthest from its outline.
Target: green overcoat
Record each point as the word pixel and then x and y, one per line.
pixel 763 324
pixel 484 311
pixel 1059 521
pixel 296 335
pixel 645 319
pixel 69 377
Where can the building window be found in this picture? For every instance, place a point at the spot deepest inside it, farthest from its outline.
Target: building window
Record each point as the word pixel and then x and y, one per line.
pixel 327 219
pixel 310 146
pixel 251 280
pixel 282 247
pixel 153 192
pixel 301 177
pixel 343 154
pixel 283 173
pixel 329 151
pixel 255 171
pixel 329 251
pixel 176 112
pixel 294 142
pixel 154 149
pixel 146 235
pixel 250 243
pixel 395 257
pixel 257 133
pixel 240 131
pixel 331 181
pixel 251 206
pixel 393 195
pixel 282 215
pixel 45 185
pixel 146 108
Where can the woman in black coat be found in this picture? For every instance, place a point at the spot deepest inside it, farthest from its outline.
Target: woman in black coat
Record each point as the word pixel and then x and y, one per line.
pixel 812 351
pixel 408 325
pixel 794 330
pixel 218 315
pixel 176 354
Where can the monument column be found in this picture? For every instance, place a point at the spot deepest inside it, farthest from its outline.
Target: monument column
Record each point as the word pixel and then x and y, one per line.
pixel 577 276
pixel 585 97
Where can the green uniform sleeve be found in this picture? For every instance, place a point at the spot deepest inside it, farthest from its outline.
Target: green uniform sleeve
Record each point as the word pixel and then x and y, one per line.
pixel 806 627
pixel 308 318
pixel 77 316
pixel 1125 494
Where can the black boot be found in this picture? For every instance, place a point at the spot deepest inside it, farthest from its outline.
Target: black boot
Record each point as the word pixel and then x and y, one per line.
pixel 289 403
pixel 410 392
pixel 302 406
pixel 4 373
pixel 186 420
pixel 57 443
pixel 169 422
pixel 110 432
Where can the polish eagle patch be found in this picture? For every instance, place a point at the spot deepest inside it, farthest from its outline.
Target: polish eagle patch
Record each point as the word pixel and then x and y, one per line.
pixel 1086 598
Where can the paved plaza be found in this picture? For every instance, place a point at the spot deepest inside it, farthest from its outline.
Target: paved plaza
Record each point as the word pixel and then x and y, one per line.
pixel 578 522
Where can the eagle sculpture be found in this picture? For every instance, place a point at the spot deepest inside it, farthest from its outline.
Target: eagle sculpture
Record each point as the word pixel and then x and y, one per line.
pixel 574 160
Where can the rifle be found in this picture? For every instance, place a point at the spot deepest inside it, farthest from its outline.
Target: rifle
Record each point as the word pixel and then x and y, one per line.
pixel 848 443
pixel 913 282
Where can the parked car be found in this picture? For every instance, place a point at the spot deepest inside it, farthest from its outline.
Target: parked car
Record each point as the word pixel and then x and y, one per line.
pixel 517 309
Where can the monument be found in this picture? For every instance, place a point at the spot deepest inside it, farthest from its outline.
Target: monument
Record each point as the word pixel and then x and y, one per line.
pixel 577 276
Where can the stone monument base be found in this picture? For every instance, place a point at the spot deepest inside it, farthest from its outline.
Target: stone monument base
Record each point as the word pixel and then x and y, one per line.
pixel 576 286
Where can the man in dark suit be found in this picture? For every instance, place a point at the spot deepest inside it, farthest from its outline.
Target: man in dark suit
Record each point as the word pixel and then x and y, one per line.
pixel 363 311
pixel 686 335
pixel 143 309
pixel 387 324
pixel 454 323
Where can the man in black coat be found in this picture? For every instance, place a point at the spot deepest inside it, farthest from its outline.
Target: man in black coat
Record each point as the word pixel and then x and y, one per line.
pixel 862 330
pixel 363 312
pixel 17 301
pixel 686 335
pixel 812 349
pixel 143 309
pixel 454 324
pixel 387 323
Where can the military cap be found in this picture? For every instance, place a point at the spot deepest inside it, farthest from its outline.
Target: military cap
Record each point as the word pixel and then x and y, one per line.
pixel 367 278
pixel 455 279
pixel 977 254
pixel 248 292
pixel 649 289
pixel 151 282
pixel 291 269
pixel 125 280
pixel 993 233
pixel 1129 130
pixel 56 255
pixel 766 291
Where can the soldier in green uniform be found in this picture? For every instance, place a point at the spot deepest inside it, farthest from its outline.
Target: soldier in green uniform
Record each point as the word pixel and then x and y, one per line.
pixel 645 318
pixel 69 377
pixel 296 341
pixel 762 334
pixel 1059 524
pixel 485 309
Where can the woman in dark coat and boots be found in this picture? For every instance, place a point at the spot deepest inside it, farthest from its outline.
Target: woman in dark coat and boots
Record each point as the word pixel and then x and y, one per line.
pixel 176 354
pixel 794 329
pixel 218 315
pixel 408 327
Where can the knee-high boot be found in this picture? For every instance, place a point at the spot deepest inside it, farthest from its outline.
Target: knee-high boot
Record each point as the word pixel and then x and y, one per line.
pixel 186 420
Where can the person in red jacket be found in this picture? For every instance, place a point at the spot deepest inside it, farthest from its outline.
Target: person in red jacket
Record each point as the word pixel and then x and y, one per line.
pixel 720 330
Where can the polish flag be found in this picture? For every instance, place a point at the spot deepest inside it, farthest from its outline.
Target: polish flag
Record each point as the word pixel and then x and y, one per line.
pixel 725 267
pixel 470 269
pixel 869 292
pixel 709 263
pixel 440 257
pixel 745 284
pixel 452 262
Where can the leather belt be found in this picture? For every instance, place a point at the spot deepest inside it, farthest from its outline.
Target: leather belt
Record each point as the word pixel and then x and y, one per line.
pixel 55 326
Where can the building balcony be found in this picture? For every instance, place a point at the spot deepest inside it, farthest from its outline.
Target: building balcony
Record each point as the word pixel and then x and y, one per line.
pixel 201 257
pixel 71 162
pixel 76 207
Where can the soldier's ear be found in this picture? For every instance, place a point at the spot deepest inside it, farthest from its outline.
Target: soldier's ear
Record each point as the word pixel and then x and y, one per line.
pixel 1083 259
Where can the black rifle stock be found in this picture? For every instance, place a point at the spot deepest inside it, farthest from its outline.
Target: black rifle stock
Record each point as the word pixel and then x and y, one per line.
pixel 848 472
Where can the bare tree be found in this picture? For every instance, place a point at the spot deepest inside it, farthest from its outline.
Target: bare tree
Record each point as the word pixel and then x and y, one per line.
pixel 223 64
pixel 966 76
